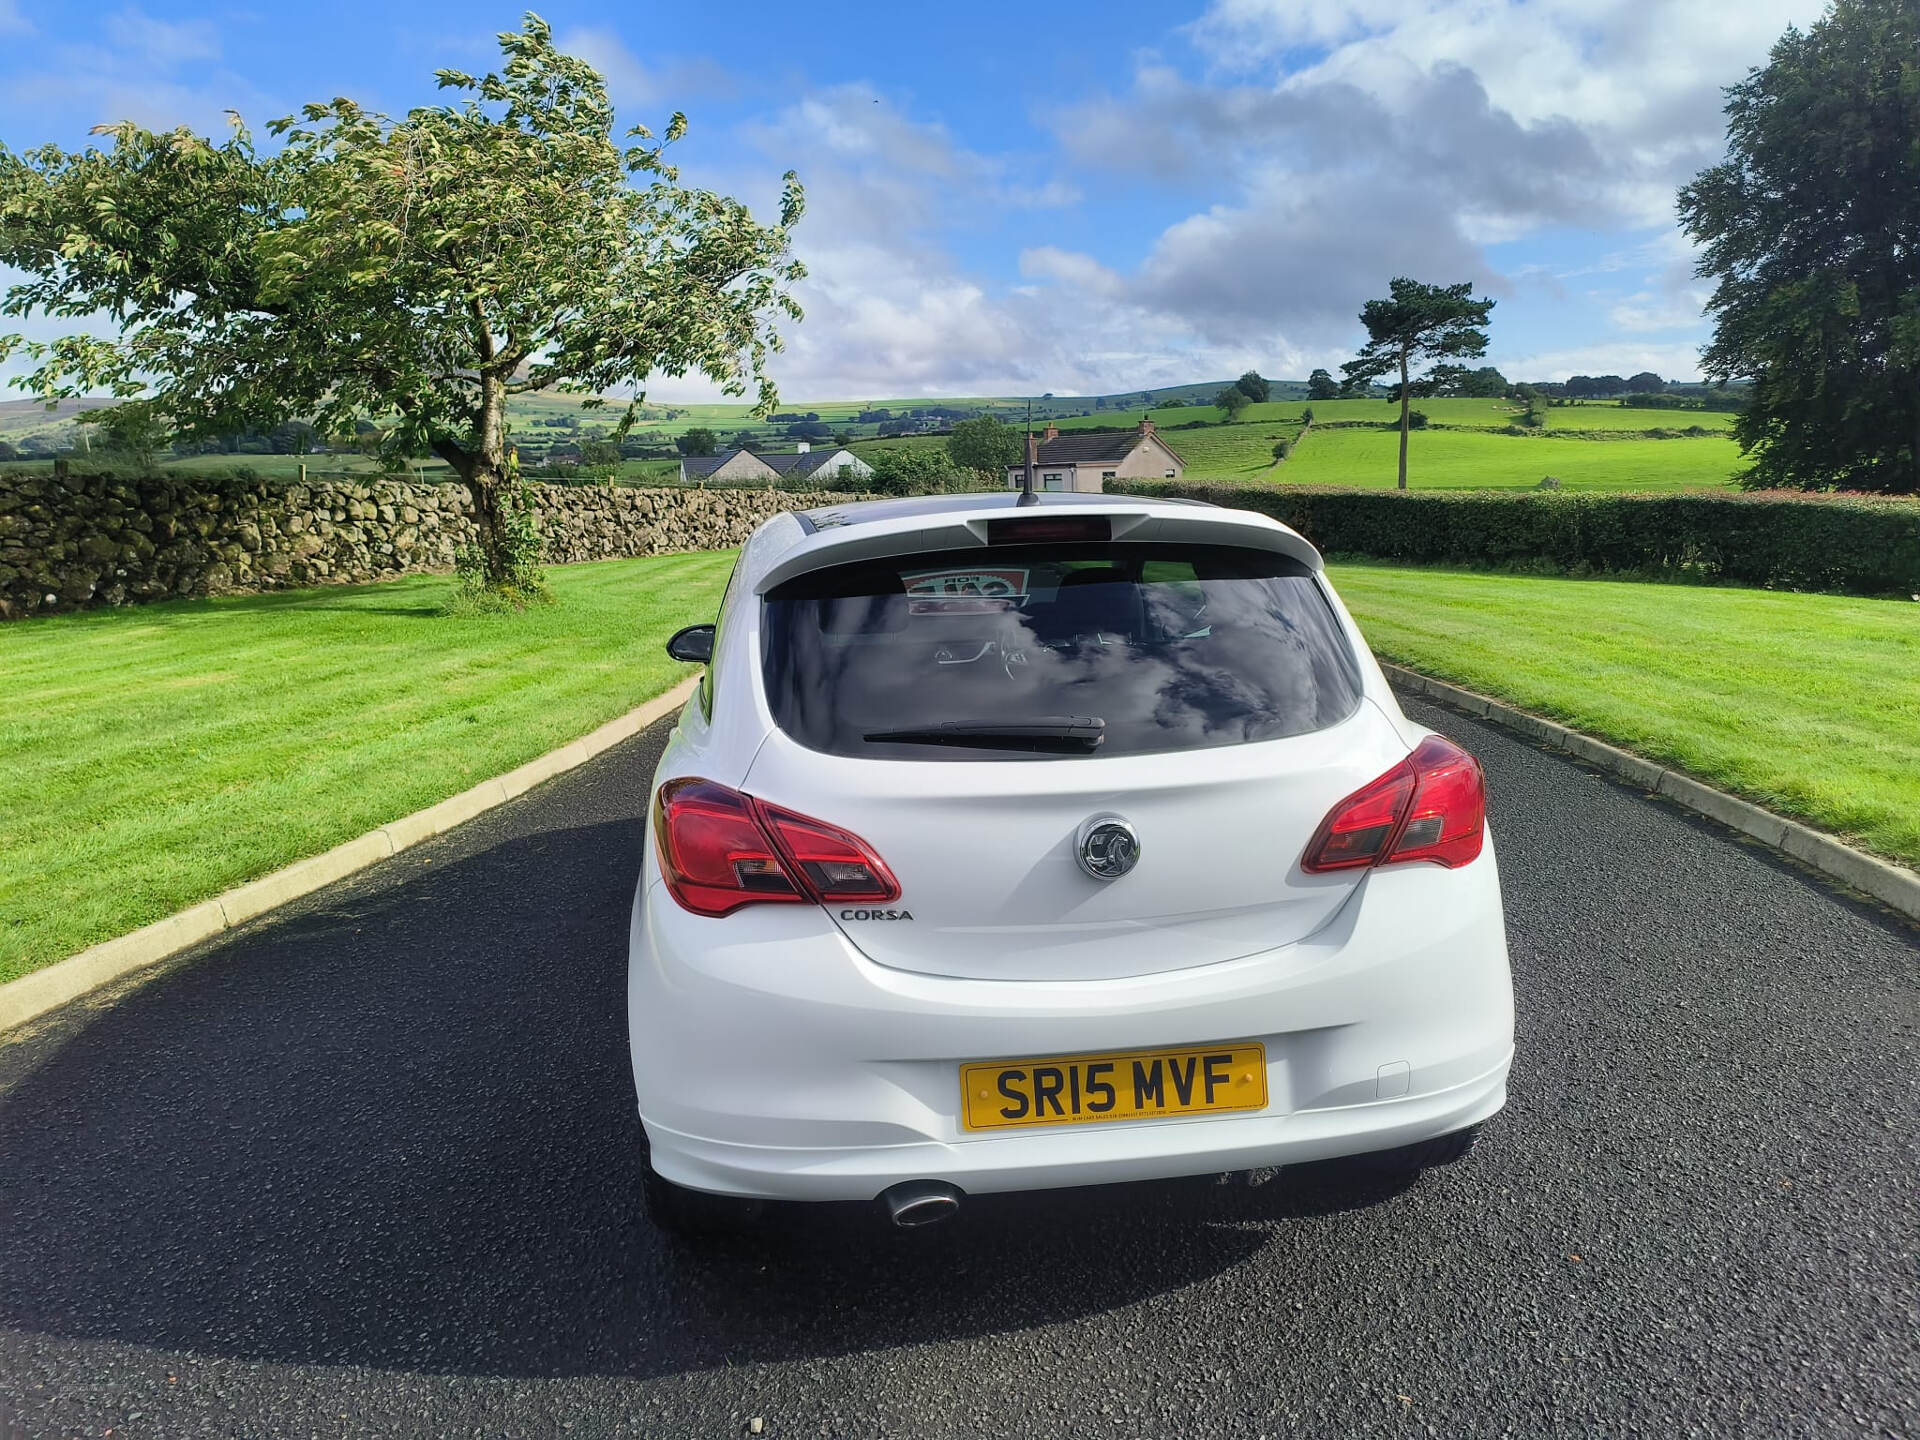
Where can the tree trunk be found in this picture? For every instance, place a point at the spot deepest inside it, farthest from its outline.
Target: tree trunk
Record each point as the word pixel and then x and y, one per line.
pixel 1404 419
pixel 483 469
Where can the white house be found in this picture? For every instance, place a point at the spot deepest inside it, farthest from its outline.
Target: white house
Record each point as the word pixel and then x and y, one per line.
pixel 1085 460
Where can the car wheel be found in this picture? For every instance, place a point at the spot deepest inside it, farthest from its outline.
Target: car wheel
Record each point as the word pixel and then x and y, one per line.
pixel 695 1214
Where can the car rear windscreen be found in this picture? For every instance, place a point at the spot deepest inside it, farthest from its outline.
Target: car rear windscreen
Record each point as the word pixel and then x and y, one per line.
pixel 1007 652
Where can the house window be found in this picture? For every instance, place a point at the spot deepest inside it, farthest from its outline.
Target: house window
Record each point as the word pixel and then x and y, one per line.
pixel 1172 475
pixel 1108 474
pixel 1053 481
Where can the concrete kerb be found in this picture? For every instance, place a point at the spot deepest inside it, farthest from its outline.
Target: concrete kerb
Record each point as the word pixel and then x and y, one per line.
pixel 31 996
pixel 1892 885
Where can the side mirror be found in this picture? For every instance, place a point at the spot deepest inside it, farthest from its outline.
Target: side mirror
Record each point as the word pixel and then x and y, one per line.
pixel 693 644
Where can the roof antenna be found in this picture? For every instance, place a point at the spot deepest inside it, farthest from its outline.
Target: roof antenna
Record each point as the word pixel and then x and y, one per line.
pixel 1027 497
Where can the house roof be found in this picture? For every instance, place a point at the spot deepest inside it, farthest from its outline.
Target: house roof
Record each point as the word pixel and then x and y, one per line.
pixel 1092 447
pixel 802 464
pixel 799 465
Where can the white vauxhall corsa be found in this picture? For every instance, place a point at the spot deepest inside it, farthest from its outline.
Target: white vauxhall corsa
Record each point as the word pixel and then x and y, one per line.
pixel 1011 846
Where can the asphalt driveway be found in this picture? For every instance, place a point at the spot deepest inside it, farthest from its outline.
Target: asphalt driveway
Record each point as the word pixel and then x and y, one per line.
pixel 368 1168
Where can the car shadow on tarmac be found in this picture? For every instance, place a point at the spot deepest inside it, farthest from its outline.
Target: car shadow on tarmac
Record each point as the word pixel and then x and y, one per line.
pixel 395 1129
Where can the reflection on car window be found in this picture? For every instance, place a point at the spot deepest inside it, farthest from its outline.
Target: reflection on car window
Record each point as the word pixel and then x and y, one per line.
pixel 719 619
pixel 1171 647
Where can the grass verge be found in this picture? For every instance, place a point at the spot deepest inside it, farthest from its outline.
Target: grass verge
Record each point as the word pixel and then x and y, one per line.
pixel 1806 704
pixel 153 757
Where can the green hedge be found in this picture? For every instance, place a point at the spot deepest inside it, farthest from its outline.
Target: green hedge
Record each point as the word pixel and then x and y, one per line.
pixel 1804 542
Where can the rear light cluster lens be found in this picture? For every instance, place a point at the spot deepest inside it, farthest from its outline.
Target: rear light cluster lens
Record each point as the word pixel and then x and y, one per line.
pixel 1431 806
pixel 720 850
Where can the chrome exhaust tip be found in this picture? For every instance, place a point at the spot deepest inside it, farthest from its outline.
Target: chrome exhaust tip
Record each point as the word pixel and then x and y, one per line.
pixel 913 1203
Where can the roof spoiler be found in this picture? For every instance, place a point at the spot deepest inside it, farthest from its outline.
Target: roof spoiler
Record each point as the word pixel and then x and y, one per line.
pixel 1139 523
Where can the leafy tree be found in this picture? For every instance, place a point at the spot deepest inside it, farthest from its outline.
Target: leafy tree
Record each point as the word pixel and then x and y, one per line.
pixel 7 452
pixel 1645 383
pixel 742 440
pixel 599 452
pixel 1810 226
pixel 1322 386
pixel 1417 324
pixel 984 444
pixel 902 471
pixel 416 271
pixel 1484 383
pixel 843 437
pixel 133 429
pixel 1231 401
pixel 1254 386
pixel 698 441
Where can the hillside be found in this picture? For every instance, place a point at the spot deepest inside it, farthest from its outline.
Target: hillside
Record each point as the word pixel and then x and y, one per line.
pixel 1469 443
pixel 541 421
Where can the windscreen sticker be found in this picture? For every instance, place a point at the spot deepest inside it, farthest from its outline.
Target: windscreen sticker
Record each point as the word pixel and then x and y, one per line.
pixel 964 591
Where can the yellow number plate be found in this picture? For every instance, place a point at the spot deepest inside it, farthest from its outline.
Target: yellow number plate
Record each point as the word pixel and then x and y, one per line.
pixel 1142 1084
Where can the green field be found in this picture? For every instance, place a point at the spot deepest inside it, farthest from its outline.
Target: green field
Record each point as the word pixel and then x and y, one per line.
pixel 1597 415
pixel 1806 704
pixel 1451 459
pixel 155 756
pixel 1469 460
pixel 1233 454
pixel 1481 414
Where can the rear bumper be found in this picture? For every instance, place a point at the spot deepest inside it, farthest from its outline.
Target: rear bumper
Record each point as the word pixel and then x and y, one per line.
pixel 772 1059
pixel 1084 1155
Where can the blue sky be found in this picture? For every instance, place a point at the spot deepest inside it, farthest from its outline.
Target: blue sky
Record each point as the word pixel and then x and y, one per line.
pixel 1072 197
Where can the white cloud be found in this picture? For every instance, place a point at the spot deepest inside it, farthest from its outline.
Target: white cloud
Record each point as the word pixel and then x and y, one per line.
pixel 632 81
pixel 1083 272
pixel 12 22
pixel 1649 311
pixel 1671 360
pixel 889 312
pixel 1342 143
pixel 158 73
pixel 160 43
pixel 1410 139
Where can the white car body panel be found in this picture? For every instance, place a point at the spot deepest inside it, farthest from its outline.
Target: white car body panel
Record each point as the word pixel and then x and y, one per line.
pixel 789 1052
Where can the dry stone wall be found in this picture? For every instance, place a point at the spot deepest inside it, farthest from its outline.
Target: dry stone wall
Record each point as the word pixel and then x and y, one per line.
pixel 68 542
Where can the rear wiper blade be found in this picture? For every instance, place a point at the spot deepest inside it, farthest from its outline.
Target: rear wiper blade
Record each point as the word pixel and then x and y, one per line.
pixel 1065 733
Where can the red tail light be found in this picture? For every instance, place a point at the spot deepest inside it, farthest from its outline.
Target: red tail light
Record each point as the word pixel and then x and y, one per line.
pixel 1431 806
pixel 720 850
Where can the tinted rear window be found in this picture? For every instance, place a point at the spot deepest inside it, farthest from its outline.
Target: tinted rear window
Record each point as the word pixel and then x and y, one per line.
pixel 1171 648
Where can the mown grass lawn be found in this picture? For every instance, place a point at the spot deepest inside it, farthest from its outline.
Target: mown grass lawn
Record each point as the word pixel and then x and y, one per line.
pixel 155 756
pixel 1476 460
pixel 1807 704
